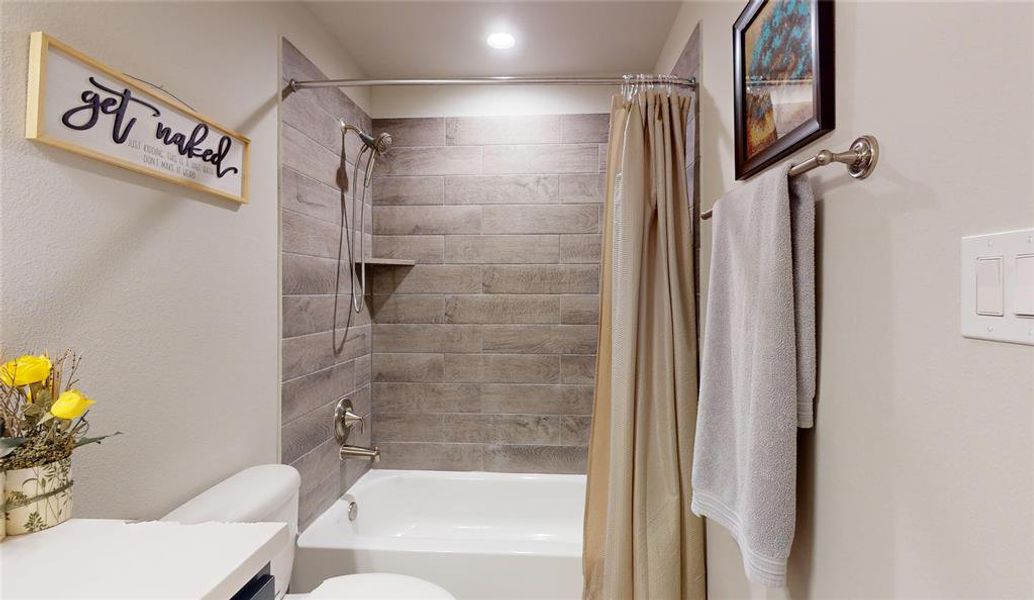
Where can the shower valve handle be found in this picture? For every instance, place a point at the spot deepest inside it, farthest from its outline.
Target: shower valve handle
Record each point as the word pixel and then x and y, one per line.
pixel 345 419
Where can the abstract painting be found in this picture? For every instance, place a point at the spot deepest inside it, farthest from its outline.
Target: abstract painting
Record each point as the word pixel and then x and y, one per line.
pixel 784 79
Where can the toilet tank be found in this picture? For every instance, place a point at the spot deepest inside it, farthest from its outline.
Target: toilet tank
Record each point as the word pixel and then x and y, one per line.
pixel 262 494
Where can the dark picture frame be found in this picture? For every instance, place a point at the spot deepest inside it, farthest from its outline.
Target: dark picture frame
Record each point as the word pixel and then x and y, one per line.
pixel 756 111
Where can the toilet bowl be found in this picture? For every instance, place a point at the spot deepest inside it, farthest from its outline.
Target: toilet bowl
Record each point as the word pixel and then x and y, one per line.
pixel 269 494
pixel 376 586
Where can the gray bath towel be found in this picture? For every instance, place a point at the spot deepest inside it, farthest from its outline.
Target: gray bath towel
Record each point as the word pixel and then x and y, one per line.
pixel 758 367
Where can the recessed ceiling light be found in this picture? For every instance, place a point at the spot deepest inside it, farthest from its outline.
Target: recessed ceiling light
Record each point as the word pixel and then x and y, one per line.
pixel 501 40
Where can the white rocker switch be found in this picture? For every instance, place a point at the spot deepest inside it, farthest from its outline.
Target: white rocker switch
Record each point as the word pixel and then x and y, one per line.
pixel 997 285
pixel 1023 289
pixel 990 292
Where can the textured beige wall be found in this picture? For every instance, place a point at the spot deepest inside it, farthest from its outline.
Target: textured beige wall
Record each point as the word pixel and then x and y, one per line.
pixel 170 294
pixel 917 480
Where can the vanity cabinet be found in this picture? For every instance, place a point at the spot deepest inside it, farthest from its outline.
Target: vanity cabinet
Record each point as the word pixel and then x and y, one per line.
pixel 121 560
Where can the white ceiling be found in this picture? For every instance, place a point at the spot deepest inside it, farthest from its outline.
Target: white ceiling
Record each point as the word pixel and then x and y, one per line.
pixel 390 39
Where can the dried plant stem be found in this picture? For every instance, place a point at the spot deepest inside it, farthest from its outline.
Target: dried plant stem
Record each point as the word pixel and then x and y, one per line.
pixel 25 412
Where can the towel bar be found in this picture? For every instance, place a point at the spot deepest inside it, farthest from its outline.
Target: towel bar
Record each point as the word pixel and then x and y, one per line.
pixel 860 159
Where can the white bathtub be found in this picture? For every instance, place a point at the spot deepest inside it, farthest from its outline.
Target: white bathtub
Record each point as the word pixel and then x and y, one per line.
pixel 478 535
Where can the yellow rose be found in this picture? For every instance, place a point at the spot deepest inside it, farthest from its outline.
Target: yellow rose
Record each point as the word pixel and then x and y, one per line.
pixel 70 405
pixel 25 370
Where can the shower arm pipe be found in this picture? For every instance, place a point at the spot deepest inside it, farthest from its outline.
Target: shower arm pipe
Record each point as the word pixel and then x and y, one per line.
pixel 691 83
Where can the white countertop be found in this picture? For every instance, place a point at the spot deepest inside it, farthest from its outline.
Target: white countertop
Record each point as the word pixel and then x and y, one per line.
pixel 94 558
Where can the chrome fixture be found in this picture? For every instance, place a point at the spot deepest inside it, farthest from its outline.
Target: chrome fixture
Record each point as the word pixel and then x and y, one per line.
pixel 860 159
pixel 374 454
pixel 296 85
pixel 344 420
pixel 373 146
pixel 381 143
pixel 353 506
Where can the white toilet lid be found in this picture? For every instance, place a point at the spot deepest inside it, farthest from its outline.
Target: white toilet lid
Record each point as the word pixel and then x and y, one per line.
pixel 379 586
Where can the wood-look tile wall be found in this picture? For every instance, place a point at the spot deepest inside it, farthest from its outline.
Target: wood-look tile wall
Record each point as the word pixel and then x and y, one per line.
pixel 323 355
pixel 484 351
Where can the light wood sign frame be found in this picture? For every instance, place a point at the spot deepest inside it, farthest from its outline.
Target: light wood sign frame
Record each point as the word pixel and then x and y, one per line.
pixel 81 105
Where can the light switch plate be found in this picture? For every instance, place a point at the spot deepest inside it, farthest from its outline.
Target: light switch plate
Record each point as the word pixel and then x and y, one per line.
pixel 1000 313
pixel 990 287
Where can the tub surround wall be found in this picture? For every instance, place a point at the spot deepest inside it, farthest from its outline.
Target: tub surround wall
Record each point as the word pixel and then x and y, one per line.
pixel 484 351
pixel 323 356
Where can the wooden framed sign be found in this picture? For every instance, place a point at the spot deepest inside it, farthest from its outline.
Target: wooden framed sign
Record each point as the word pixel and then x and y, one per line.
pixel 79 104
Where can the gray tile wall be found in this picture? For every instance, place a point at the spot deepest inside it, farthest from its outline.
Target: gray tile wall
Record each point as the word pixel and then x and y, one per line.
pixel 323 356
pixel 483 353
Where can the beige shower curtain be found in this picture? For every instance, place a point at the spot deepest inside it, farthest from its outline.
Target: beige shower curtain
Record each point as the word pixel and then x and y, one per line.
pixel 641 540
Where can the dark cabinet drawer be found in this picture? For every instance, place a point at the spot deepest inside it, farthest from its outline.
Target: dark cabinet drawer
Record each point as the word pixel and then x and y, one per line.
pixel 261 587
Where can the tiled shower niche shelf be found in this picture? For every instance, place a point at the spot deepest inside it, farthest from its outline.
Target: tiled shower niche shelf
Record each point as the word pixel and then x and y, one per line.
pixel 388 262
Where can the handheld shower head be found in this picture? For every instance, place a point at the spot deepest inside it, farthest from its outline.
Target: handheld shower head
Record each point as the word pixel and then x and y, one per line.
pixel 376 145
pixel 381 143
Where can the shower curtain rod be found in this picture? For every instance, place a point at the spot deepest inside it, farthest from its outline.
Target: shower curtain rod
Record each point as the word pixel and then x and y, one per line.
pixel 296 85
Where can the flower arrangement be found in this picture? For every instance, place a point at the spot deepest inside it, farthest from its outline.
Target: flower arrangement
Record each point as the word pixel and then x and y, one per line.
pixel 42 421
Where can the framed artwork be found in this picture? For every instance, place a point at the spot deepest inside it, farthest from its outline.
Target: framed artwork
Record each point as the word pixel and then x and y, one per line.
pixel 784 79
pixel 79 104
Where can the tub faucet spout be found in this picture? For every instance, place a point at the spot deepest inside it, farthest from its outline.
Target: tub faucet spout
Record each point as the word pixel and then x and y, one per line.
pixel 374 454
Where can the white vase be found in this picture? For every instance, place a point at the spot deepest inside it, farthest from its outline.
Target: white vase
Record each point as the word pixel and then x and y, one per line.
pixel 38 498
